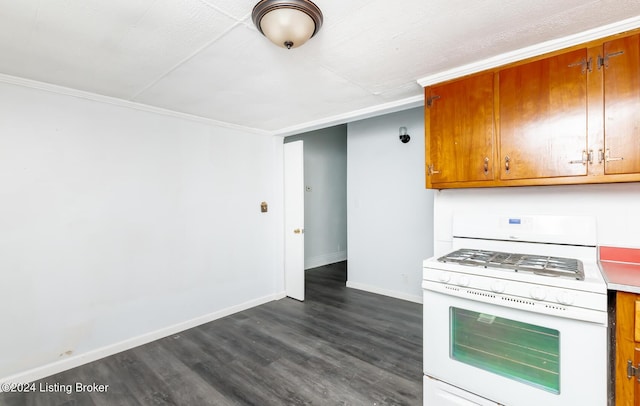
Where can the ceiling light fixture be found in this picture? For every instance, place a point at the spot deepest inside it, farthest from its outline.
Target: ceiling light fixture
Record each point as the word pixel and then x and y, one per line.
pixel 287 24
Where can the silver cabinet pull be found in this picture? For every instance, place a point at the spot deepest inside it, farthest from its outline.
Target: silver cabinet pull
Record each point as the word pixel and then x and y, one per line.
pixel 590 157
pixel 507 162
pixel 607 157
pixel 486 165
pixel 604 60
pixel 633 371
pixel 585 64
pixel 584 159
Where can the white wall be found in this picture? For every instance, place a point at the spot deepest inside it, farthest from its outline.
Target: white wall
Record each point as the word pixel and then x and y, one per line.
pixel 325 198
pixel 389 211
pixel 615 206
pixel 118 226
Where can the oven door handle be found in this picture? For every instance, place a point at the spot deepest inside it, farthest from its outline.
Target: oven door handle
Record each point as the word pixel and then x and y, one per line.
pixel 512 302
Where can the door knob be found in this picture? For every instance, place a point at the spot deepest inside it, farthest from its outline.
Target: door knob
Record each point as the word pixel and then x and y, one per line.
pixel 298 231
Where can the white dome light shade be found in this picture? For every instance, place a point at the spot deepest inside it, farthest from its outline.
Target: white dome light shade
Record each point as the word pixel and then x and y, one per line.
pixel 287 23
pixel 285 26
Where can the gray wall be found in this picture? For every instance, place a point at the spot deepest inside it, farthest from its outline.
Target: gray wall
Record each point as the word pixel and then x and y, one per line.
pixel 120 226
pixel 389 210
pixel 325 203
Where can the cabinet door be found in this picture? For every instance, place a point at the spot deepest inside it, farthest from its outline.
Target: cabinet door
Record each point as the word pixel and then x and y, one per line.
pixel 636 382
pixel 627 330
pixel 622 105
pixel 543 118
pixel 460 130
pixel 625 347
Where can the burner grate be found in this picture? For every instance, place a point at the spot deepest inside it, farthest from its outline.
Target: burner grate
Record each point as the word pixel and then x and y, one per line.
pixel 538 264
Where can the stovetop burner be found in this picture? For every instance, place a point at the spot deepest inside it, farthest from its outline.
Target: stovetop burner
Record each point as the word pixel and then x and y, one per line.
pixel 538 264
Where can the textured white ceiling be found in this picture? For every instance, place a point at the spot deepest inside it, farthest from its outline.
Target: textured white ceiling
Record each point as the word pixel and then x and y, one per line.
pixel 205 57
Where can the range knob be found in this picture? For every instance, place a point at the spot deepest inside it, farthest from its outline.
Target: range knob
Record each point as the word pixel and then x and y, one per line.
pixel 444 277
pixel 463 281
pixel 497 286
pixel 538 293
pixel 565 298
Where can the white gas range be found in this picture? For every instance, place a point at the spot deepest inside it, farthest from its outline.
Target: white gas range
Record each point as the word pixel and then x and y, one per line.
pixel 516 314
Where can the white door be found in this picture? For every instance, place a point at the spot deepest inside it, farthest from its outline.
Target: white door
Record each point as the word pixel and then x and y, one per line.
pixel 294 219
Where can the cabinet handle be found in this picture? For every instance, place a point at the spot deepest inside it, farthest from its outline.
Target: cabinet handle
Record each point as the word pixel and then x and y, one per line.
pixel 632 371
pixel 486 165
pixel 584 159
pixel 603 61
pixel 607 157
pixel 600 156
pixel 590 157
pixel 584 64
pixel 507 162
pixel 431 99
pixel 432 171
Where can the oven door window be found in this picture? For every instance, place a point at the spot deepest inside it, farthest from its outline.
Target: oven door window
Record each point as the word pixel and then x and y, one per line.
pixel 516 350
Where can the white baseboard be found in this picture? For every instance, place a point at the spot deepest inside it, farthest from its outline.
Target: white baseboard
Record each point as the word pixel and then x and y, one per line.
pixel 93 355
pixel 325 259
pixel 386 292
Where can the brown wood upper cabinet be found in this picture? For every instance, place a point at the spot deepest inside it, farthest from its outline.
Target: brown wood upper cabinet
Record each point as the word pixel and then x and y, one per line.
pixel 621 75
pixel 543 118
pixel 460 148
pixel 570 117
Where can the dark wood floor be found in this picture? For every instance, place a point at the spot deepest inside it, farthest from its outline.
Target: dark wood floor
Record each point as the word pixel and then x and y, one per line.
pixel 340 347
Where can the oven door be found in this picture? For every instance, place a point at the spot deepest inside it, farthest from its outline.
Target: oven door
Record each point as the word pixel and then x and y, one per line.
pixel 512 356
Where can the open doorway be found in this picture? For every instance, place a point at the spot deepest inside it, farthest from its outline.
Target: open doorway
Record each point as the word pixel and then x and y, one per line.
pixel 325 196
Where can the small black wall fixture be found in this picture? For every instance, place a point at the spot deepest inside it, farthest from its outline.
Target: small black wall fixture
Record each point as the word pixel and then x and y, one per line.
pixel 404 137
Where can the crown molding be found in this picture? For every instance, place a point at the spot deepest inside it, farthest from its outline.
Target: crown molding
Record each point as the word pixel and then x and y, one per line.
pixel 373 111
pixel 67 91
pixel 386 108
pixel 531 51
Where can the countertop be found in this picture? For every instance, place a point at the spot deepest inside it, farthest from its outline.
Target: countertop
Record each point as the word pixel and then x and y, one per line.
pixel 620 268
